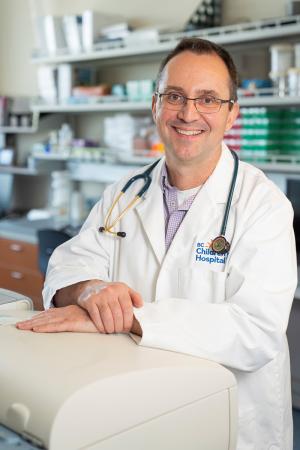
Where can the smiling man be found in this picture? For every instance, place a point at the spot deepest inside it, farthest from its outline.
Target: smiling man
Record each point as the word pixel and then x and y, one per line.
pixel 191 114
pixel 202 262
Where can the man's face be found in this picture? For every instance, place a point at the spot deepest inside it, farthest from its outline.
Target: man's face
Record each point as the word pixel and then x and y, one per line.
pixel 193 75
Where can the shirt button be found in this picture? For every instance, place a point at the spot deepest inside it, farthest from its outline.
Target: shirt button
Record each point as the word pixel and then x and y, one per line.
pixel 173 204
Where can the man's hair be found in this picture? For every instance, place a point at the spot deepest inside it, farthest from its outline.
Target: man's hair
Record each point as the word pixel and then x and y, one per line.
pixel 203 47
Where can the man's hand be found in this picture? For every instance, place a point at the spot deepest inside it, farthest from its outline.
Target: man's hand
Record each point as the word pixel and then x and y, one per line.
pixel 54 320
pixel 110 306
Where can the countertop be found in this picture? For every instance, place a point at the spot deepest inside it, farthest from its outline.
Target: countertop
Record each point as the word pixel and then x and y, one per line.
pixel 25 230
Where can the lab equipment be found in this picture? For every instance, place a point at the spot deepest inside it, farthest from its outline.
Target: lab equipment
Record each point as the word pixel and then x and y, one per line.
pixel 60 196
pixel 76 213
pixel 297 55
pixel 219 244
pixel 13 300
pixel 110 394
pixel 282 56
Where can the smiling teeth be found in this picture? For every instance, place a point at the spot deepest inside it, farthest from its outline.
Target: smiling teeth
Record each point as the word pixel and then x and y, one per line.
pixel 188 132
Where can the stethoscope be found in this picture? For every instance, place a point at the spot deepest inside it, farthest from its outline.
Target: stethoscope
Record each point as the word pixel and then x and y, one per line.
pixel 219 244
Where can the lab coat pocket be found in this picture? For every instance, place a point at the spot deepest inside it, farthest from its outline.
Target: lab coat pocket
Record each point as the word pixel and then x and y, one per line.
pixel 202 285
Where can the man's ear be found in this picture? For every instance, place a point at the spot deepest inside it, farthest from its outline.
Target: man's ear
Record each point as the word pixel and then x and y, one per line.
pixel 233 113
pixel 154 98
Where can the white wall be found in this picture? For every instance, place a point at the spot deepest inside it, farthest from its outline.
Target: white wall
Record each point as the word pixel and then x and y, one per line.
pixel 17 75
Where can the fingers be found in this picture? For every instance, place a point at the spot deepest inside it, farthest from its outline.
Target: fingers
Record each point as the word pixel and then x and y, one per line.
pixel 136 299
pixel 127 312
pixel 94 313
pixel 54 320
pixel 117 315
pixel 38 322
pixel 111 308
pixel 50 328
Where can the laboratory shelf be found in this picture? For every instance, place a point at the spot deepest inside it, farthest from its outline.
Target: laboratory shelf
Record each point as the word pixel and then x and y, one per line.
pixel 109 173
pixel 15 170
pixel 105 172
pixel 100 173
pixel 23 130
pixel 92 107
pixel 232 34
pixel 18 130
pixel 272 162
pixel 277 167
pixel 244 100
pixel 269 100
pixel 51 156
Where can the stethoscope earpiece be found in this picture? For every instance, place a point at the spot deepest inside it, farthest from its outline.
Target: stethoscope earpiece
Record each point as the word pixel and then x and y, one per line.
pixel 121 234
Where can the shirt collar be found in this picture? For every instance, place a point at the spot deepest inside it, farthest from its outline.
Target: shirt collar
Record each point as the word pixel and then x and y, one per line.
pixel 168 190
pixel 164 179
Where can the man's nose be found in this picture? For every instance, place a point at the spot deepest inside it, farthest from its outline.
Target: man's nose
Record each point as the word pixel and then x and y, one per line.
pixel 188 112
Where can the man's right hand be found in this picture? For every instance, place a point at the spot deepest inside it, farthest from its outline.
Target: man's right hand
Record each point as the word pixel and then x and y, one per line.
pixel 110 305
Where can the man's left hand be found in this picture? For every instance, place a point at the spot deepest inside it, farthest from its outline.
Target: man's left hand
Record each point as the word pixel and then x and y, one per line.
pixel 68 318
pixel 55 320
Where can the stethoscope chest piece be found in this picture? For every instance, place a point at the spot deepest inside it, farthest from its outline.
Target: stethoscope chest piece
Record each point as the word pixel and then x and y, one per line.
pixel 220 245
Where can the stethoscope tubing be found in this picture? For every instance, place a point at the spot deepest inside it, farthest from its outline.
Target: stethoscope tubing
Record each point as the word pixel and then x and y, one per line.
pixel 230 195
pixel 141 176
pixel 146 176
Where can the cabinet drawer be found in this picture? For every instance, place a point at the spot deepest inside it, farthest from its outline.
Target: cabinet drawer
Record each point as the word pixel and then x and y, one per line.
pixel 18 254
pixel 27 283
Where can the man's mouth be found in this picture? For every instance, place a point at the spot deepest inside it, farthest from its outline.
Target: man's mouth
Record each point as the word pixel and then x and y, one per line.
pixel 188 132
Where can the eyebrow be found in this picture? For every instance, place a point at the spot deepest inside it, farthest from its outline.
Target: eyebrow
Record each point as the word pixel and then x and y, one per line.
pixel 198 92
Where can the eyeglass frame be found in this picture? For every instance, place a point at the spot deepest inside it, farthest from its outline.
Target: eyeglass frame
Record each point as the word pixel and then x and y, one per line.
pixel 222 101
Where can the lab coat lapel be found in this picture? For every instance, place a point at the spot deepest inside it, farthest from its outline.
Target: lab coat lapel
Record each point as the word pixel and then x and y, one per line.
pixel 218 184
pixel 151 214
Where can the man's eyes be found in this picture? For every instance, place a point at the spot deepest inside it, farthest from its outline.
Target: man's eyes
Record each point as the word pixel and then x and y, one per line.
pixel 203 100
pixel 175 97
pixel 206 100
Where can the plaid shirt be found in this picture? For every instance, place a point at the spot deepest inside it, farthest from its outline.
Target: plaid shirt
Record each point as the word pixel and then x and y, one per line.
pixel 174 213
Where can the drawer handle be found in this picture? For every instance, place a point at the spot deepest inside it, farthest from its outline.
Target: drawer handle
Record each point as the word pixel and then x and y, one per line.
pixel 17 275
pixel 16 247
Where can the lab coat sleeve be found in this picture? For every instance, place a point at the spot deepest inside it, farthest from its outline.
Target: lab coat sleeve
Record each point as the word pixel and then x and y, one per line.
pixel 84 257
pixel 246 330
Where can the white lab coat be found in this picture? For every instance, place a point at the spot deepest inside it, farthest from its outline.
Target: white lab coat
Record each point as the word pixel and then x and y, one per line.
pixel 233 312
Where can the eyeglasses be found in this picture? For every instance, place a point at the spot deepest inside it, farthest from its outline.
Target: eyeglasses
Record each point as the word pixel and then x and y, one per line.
pixel 203 104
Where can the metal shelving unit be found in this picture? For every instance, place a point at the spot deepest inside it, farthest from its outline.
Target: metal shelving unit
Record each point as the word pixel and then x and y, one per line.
pixel 270 29
pixel 92 107
pixel 264 31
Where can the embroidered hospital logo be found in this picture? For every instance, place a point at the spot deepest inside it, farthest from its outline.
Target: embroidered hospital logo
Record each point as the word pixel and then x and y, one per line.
pixel 205 255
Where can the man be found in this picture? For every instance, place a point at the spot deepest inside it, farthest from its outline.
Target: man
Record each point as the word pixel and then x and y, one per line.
pixel 163 281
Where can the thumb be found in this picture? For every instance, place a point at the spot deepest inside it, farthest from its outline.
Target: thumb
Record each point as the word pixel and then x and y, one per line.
pixel 136 299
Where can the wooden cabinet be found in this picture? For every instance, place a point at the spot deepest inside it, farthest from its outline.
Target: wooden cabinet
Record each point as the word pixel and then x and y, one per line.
pixel 19 269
